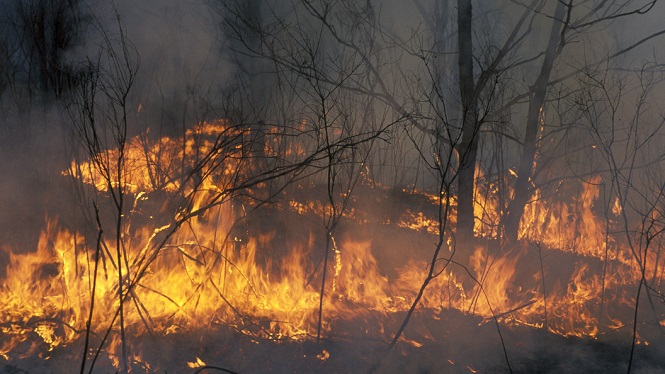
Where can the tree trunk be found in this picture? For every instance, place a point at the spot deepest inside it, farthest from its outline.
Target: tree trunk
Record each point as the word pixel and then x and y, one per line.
pixel 468 147
pixel 259 84
pixel 537 93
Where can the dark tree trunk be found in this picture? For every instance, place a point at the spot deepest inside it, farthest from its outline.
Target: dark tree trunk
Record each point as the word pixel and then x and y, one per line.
pixel 468 147
pixel 259 85
pixel 537 93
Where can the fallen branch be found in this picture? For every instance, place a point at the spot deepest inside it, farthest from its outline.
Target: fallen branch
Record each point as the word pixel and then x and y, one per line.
pixel 515 309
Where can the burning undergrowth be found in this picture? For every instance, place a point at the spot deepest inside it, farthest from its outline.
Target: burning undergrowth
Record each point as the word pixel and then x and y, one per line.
pixel 211 274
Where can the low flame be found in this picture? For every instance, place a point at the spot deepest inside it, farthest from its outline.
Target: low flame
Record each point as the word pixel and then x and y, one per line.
pixel 196 364
pixel 211 272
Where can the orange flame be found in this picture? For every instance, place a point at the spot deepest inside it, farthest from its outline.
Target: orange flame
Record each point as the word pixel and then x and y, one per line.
pixel 208 273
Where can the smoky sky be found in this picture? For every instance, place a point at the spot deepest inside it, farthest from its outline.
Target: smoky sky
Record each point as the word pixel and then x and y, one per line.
pixel 180 53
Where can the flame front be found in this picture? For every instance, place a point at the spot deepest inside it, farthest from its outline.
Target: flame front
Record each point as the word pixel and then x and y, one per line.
pixel 214 270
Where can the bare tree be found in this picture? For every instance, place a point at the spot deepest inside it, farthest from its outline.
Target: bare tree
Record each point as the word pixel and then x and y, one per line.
pixel 501 57
pixel 100 124
pixel 43 32
pixel 631 167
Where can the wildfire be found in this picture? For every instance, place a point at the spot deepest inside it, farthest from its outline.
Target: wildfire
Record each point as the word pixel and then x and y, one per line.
pixel 215 270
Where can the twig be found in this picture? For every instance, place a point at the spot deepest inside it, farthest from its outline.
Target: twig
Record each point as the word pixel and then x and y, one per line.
pixel 88 323
pixel 515 309
pixel 207 367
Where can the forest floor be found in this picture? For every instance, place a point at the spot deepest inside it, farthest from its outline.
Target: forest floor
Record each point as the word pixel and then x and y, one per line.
pixel 459 343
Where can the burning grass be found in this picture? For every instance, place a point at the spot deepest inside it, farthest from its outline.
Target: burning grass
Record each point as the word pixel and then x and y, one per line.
pixel 239 280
